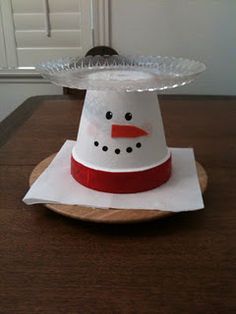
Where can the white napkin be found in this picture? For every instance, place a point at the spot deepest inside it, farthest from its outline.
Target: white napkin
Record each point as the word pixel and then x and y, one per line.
pixel 181 193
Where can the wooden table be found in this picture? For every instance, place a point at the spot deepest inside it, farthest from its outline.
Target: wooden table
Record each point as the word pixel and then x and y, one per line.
pixel 181 264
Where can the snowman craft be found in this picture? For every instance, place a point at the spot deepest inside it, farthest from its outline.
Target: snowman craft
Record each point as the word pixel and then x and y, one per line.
pixel 121 145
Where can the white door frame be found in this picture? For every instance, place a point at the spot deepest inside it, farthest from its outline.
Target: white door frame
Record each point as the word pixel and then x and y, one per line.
pixel 100 22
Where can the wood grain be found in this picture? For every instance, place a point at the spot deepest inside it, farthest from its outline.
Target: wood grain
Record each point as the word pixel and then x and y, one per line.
pixel 112 215
pixel 184 263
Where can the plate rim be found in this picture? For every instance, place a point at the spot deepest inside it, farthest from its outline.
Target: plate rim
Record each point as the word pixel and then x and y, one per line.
pixel 51 70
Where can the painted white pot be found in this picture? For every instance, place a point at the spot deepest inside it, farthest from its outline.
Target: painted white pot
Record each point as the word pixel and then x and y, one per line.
pixel 121 145
pixel 104 112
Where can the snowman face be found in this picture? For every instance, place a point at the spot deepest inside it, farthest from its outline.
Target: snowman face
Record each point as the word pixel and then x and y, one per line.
pixel 127 130
pixel 119 132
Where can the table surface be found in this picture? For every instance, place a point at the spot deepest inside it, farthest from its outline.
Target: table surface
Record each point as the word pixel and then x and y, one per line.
pixel 181 264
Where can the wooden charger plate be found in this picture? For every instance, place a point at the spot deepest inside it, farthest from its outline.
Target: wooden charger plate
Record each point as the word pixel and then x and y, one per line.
pixel 111 215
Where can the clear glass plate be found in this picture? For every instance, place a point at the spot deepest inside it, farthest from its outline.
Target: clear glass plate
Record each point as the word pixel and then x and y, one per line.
pixel 128 73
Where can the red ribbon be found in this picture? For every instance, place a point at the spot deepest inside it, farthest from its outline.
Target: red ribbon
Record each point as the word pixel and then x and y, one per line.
pixel 121 182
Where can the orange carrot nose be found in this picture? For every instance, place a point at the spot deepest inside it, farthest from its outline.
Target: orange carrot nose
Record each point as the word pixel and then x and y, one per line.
pixel 127 131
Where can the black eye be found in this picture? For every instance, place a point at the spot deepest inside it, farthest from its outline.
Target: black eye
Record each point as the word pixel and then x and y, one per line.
pixel 109 115
pixel 128 116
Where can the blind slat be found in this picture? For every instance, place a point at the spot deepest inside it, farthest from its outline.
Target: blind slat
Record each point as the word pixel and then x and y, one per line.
pixel 32 56
pixel 36 6
pixel 58 21
pixel 38 39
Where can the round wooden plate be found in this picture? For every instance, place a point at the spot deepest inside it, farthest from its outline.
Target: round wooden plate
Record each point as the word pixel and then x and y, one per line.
pixel 108 215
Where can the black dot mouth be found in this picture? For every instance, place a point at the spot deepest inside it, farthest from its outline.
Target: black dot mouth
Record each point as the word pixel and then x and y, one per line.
pixel 105 148
pixel 118 150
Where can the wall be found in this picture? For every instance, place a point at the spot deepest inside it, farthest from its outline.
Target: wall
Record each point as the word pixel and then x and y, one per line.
pixel 204 30
pixel 13 94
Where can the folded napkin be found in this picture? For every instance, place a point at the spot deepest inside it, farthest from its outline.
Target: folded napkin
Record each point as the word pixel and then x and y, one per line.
pixel 181 193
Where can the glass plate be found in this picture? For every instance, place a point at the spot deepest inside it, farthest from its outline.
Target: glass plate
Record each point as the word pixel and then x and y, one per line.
pixel 128 73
